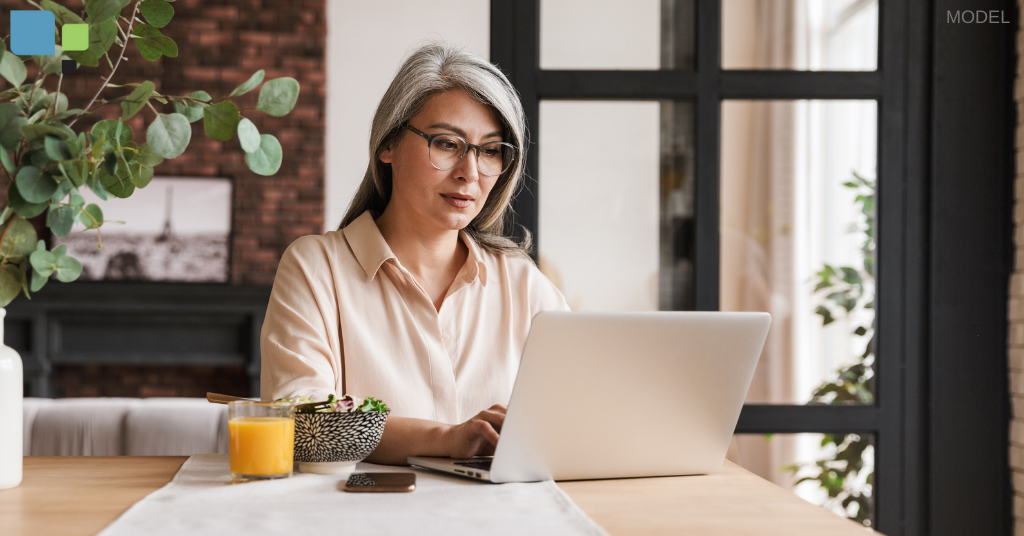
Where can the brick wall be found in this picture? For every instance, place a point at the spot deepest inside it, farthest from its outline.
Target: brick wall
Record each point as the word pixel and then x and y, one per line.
pixel 1016 309
pixel 220 44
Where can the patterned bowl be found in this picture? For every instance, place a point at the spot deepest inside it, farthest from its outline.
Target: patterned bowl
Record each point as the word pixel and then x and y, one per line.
pixel 332 443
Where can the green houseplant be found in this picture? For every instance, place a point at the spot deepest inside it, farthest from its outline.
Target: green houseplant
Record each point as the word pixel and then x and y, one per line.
pixel 47 163
pixel 843 290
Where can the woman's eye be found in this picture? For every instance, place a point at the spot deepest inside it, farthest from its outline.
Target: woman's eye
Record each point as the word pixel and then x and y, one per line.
pixel 492 153
pixel 446 145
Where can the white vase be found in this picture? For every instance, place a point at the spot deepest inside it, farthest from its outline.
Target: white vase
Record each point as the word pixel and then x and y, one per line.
pixel 11 392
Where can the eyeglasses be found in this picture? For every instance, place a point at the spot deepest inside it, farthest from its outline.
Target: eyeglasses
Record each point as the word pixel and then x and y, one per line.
pixel 447 150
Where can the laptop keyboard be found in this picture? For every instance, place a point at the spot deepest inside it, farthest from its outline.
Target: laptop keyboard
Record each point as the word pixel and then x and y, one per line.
pixel 484 465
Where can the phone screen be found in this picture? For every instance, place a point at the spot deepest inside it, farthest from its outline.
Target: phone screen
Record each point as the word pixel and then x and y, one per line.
pixel 380 482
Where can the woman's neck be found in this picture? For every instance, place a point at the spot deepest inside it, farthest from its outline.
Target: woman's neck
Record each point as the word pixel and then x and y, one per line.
pixel 434 256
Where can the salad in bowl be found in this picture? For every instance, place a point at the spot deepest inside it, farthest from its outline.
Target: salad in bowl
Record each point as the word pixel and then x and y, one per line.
pixel 332 436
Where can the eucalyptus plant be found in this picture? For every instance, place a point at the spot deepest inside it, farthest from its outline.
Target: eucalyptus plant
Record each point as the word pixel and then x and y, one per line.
pixel 843 290
pixel 47 162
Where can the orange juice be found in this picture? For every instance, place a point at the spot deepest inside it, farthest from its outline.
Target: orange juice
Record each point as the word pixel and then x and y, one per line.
pixel 261 445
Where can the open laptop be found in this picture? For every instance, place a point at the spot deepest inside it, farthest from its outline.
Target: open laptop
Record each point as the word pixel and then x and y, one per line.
pixel 614 395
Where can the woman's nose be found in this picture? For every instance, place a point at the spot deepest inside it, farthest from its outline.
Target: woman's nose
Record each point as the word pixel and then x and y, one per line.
pixel 467 169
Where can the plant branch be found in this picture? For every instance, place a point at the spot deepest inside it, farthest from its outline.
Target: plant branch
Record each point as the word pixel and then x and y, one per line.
pixel 131 23
pixel 56 99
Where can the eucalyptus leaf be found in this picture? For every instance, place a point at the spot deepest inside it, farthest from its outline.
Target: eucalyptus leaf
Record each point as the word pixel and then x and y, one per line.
pixel 60 219
pixel 63 189
pixel 57 148
pixel 101 10
pixel 249 84
pixel 11 122
pixel 156 12
pixel 96 186
pixel 221 120
pixel 7 161
pixel 10 283
pixel 61 14
pixel 20 206
pixel 46 103
pixel 34 185
pixel 113 130
pixel 91 216
pixel 38 132
pixel 153 44
pixel 138 174
pixel 169 135
pixel 43 262
pixel 12 68
pixel 38 281
pixel 68 269
pixel 192 111
pixel 147 157
pixel 278 96
pixel 267 159
pixel 116 185
pixel 110 163
pixel 136 100
pixel 19 238
pixel 248 136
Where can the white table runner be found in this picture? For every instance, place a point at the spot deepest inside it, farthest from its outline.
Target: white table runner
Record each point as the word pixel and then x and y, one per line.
pixel 201 501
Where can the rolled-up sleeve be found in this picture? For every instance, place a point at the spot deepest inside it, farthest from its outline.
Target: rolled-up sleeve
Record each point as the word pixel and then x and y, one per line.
pixel 300 334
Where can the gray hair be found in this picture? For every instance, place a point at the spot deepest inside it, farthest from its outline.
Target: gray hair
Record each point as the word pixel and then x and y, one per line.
pixel 432 69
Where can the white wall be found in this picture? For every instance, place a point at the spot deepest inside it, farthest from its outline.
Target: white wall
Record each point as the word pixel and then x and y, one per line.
pixel 366 43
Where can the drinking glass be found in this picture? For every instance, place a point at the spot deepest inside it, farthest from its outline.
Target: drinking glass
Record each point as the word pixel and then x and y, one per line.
pixel 261 439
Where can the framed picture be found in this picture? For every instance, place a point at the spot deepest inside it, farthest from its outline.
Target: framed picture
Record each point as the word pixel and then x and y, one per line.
pixel 176 229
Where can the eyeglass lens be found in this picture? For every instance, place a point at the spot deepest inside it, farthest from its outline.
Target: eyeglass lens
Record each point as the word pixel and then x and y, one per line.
pixel 494 158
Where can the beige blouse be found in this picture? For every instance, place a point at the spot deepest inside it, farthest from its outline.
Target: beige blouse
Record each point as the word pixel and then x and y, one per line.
pixel 346 317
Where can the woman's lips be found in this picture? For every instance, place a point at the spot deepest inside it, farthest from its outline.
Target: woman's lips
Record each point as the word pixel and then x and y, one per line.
pixel 458 201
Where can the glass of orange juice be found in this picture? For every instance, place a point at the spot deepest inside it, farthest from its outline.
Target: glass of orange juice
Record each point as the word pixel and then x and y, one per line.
pixel 261 437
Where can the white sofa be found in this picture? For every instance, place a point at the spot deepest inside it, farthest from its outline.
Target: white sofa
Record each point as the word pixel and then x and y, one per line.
pixel 124 427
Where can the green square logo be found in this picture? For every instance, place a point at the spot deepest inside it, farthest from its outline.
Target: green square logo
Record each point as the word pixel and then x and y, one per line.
pixel 74 37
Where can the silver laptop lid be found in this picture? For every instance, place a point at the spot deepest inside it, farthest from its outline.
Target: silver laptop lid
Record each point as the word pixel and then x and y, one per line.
pixel 608 395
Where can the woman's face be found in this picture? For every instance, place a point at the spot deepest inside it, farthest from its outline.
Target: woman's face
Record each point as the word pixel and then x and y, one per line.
pixel 448 199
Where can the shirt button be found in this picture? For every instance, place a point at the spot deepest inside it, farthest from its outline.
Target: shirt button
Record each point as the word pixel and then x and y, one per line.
pixel 444 337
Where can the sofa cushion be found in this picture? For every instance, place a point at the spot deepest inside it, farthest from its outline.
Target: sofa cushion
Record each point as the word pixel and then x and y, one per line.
pixel 175 427
pixel 124 426
pixel 80 427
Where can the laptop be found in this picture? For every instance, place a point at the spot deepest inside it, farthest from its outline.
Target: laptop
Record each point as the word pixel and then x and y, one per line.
pixel 619 395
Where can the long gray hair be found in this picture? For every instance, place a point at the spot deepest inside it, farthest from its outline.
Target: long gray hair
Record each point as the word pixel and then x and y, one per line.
pixel 433 69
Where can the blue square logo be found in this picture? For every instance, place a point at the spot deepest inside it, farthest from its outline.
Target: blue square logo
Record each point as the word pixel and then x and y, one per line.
pixel 32 33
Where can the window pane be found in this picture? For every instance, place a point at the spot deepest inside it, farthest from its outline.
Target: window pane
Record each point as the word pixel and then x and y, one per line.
pixel 616 203
pixel 608 34
pixel 848 472
pixel 797 240
pixel 808 35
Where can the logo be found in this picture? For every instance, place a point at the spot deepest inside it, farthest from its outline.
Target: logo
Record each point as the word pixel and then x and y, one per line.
pixel 33 33
pixel 976 17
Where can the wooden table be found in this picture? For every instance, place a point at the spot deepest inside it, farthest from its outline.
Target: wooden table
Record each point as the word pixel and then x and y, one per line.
pixel 70 495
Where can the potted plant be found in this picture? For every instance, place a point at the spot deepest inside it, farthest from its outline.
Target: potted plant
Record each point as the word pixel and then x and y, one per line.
pixel 48 163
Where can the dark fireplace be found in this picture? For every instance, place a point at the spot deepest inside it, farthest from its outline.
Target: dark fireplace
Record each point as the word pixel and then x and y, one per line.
pixel 139 339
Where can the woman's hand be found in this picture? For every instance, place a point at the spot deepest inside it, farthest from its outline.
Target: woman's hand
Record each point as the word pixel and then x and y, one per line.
pixel 477 436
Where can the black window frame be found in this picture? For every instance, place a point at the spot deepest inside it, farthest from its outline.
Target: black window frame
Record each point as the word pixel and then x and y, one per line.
pixel 923 419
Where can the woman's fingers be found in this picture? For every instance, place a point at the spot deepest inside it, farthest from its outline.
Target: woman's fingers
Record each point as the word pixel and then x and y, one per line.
pixel 495 418
pixel 486 430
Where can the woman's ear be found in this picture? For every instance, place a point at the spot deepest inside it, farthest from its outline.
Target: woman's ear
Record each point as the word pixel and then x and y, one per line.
pixel 386 156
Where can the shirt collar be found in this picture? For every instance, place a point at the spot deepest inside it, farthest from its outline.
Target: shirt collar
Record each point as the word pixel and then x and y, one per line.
pixel 371 250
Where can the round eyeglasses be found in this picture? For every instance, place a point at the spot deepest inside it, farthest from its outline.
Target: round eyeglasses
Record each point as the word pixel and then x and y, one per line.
pixel 447 150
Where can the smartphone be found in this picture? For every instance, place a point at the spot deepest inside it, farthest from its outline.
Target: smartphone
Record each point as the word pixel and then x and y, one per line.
pixel 380 482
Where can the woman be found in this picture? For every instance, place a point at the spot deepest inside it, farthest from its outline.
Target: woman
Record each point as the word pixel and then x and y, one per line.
pixel 418 299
